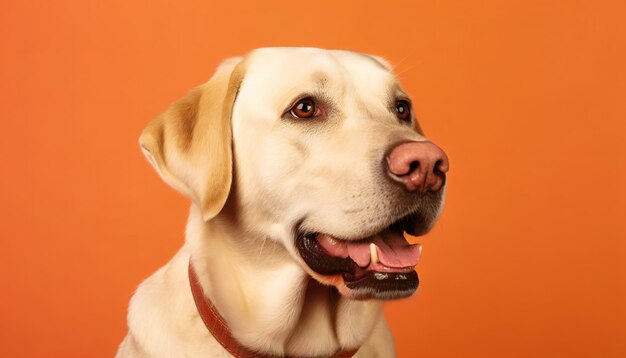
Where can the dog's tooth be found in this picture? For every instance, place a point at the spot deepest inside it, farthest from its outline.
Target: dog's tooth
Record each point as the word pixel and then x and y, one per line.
pixel 373 253
pixel 332 240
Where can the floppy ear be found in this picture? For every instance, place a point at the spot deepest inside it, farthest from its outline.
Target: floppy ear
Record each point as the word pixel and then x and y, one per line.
pixel 190 144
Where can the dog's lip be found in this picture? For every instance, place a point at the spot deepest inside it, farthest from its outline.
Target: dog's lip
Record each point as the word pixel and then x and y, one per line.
pixel 383 285
pixel 364 273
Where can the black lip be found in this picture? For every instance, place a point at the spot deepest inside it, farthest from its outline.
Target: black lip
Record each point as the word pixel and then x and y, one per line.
pixel 364 284
pixel 412 224
pixel 319 261
pixel 384 285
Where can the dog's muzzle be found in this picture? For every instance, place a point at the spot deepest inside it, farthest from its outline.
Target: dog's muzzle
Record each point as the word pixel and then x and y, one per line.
pixel 382 265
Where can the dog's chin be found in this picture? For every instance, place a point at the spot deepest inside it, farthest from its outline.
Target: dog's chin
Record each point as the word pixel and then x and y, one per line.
pixel 379 266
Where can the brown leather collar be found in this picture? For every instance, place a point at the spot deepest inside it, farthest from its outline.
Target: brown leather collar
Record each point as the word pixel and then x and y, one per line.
pixel 219 329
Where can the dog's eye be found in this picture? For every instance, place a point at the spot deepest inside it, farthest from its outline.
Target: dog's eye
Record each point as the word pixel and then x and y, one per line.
pixel 304 108
pixel 403 110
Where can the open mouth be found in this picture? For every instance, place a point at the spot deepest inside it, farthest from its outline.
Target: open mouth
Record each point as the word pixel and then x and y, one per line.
pixel 381 266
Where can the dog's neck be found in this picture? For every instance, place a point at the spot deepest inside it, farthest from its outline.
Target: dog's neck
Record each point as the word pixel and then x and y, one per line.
pixel 268 301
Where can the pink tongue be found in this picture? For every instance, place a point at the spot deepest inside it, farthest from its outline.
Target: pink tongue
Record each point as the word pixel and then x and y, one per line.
pixel 393 250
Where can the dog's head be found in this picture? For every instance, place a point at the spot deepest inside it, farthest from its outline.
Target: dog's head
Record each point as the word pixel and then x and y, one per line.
pixel 316 150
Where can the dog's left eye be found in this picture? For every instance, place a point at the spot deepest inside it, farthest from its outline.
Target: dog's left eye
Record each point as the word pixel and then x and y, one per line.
pixel 403 110
pixel 304 108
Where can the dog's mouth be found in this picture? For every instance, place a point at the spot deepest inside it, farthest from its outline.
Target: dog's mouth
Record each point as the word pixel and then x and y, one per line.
pixel 380 266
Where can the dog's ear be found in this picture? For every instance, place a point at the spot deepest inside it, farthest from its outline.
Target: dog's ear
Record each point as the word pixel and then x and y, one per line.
pixel 190 144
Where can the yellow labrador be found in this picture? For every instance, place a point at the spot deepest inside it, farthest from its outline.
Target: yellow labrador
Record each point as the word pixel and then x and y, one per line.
pixel 304 167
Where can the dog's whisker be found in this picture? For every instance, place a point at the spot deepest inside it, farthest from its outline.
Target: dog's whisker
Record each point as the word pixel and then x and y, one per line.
pixel 408 69
pixel 395 65
pixel 260 254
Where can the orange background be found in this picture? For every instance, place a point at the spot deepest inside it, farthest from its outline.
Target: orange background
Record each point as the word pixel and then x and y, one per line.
pixel 527 98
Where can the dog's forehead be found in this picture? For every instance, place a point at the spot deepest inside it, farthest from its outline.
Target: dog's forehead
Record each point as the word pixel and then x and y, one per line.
pixel 305 56
pixel 282 72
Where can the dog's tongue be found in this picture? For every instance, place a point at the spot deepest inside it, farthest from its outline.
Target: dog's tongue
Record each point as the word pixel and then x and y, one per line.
pixel 392 248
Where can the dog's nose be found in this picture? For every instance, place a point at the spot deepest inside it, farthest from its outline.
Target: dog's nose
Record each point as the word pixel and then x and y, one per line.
pixel 418 165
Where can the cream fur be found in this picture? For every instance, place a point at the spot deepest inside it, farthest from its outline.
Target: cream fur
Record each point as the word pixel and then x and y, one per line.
pixel 322 174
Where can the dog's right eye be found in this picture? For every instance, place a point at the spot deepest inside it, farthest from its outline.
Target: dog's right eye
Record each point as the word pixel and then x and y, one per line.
pixel 403 110
pixel 304 108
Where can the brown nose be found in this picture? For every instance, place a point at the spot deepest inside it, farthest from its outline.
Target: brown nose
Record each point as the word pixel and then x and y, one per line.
pixel 418 165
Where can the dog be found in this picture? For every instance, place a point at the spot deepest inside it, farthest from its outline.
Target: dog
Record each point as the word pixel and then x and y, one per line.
pixel 306 168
